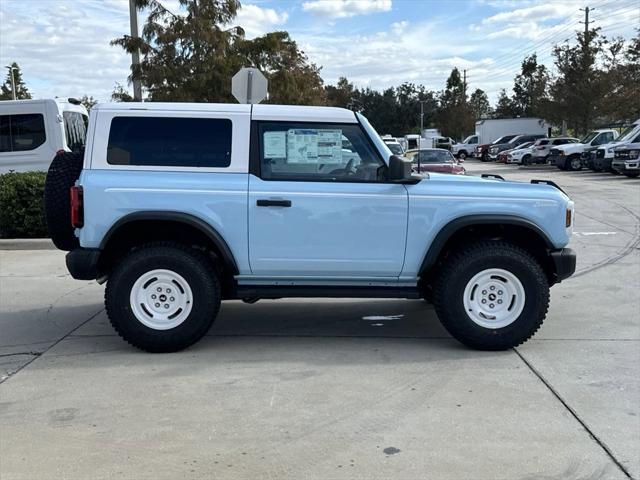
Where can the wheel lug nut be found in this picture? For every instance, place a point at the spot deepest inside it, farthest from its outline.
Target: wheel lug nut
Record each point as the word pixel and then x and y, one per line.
pixel 484 301
pixel 166 305
pixel 492 287
pixel 168 290
pixel 172 299
pixel 499 301
pixel 484 292
pixel 491 305
pixel 157 305
pixel 158 289
pixel 153 296
pixel 499 292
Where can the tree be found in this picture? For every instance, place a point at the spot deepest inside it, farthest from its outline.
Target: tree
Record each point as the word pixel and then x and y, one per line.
pixel 342 94
pixel 6 91
pixel 455 117
pixel 505 108
pixel 293 80
pixel 119 94
pixel 530 88
pixel 192 55
pixel 88 102
pixel 578 89
pixel 479 104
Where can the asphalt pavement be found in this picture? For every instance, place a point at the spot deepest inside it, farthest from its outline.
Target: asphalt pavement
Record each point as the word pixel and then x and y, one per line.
pixel 333 389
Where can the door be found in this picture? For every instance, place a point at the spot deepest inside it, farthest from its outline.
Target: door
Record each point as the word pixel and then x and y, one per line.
pixel 319 205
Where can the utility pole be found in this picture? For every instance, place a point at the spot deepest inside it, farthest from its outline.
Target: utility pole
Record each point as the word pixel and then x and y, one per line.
pixel 464 83
pixel 135 55
pixel 13 81
pixel 586 22
pixel 421 118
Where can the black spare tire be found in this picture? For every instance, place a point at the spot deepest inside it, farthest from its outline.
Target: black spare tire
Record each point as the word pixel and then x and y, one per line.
pixel 62 175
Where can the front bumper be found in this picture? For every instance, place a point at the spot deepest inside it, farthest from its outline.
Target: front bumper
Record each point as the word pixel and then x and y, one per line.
pixel 557 160
pixel 82 263
pixel 564 261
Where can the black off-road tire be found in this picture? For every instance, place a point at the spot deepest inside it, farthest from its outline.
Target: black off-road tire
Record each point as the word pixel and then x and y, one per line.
pixel 62 175
pixel 462 266
pixel 198 272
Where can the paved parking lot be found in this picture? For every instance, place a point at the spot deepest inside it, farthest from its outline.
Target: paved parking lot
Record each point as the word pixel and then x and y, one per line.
pixel 332 389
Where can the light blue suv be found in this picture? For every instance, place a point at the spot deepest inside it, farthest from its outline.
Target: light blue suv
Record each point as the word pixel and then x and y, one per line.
pixel 180 206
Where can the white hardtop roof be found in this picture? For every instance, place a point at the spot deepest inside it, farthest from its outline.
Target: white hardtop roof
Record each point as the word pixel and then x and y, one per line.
pixel 259 112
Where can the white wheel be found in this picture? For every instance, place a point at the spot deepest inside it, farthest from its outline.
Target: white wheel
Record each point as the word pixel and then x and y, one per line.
pixel 494 298
pixel 161 299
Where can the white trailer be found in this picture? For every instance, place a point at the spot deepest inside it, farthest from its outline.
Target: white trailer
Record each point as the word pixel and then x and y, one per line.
pixel 490 129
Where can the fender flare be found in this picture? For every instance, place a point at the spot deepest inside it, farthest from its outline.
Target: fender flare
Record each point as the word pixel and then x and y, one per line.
pixel 456 224
pixel 179 217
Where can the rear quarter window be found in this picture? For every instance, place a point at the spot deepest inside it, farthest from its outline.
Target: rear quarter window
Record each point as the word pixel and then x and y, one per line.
pixel 170 142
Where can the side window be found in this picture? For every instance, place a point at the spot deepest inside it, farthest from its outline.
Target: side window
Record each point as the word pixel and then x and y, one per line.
pixel 636 140
pixel 5 133
pixel 473 140
pixel 170 142
pixel 20 133
pixel 317 153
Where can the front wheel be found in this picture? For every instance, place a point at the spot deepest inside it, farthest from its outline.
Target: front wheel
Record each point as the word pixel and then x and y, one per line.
pixel 163 297
pixel 491 295
pixel 574 164
pixel 462 155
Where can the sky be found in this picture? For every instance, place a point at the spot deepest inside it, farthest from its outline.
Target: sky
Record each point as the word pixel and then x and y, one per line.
pixel 62 46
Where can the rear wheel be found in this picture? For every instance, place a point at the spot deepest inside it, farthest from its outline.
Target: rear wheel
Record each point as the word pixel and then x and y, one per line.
pixel 491 295
pixel 163 297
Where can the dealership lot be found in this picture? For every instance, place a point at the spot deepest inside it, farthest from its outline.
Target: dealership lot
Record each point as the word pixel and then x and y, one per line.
pixel 333 388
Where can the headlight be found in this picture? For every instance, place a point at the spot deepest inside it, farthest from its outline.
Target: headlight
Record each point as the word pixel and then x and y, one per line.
pixel 561 153
pixel 633 154
pixel 610 150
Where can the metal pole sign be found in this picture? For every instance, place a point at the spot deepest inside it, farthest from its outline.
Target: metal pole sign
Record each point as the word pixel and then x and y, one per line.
pixel 249 85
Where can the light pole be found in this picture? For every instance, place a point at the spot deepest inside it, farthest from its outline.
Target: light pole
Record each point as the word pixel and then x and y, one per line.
pixel 135 55
pixel 422 102
pixel 13 80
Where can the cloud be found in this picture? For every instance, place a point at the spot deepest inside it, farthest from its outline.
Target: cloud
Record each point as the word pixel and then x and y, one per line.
pixel 257 21
pixel 346 8
pixel 536 13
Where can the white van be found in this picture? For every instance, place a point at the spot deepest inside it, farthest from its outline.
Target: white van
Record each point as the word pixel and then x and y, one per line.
pixel 33 131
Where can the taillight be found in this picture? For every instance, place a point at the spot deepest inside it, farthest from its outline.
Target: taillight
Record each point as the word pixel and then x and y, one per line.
pixel 77 209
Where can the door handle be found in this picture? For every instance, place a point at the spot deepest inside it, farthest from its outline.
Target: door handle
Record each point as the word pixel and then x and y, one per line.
pixel 273 203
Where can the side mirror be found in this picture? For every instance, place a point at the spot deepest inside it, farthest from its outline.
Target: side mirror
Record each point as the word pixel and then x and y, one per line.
pixel 400 170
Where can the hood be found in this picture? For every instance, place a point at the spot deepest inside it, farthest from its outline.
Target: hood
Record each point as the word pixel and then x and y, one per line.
pixel 491 187
pixel 570 148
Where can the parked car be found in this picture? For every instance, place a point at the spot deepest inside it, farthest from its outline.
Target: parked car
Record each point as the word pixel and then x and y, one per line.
pixel 482 150
pixel 394 146
pixel 627 159
pixel 543 146
pixel 519 155
pixel 465 149
pixel 497 148
pixel 568 156
pixel 180 206
pixel 434 160
pixel 32 131
pixel 602 157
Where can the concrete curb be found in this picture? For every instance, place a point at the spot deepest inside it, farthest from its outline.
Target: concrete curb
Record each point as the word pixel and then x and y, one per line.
pixel 26 244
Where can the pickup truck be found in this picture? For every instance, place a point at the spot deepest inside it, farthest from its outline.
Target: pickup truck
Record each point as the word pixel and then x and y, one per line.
pixel 569 156
pixel 178 207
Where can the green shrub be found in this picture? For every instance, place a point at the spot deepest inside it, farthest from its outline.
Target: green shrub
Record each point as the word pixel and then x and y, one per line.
pixel 21 205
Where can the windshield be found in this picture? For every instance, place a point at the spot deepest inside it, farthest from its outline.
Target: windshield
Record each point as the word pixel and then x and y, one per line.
pixel 382 147
pixel 505 139
pixel 590 136
pixel 627 132
pixel 525 145
pixel 75 129
pixel 395 148
pixel 433 156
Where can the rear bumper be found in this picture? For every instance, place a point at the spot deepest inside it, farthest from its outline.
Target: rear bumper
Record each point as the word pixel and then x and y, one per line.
pixel 564 261
pixel 82 263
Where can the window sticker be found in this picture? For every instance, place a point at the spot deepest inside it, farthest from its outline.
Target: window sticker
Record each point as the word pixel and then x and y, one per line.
pixel 275 145
pixel 302 146
pixel 330 146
